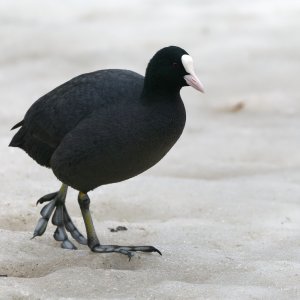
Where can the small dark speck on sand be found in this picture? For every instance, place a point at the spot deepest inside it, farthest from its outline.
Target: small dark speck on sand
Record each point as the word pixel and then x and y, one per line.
pixel 237 107
pixel 119 228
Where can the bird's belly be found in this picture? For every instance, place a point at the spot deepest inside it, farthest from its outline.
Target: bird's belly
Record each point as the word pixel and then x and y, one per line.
pixel 137 161
pixel 134 157
pixel 116 162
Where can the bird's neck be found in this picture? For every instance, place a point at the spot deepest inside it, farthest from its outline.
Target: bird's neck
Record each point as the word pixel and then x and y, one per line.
pixel 155 89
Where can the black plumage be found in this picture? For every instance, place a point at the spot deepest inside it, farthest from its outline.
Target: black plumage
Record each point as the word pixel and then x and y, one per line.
pixel 109 125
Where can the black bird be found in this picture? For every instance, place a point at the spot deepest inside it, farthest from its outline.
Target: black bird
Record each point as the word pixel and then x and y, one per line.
pixel 104 127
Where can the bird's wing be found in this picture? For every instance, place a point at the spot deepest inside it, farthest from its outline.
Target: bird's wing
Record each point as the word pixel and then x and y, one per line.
pixel 54 115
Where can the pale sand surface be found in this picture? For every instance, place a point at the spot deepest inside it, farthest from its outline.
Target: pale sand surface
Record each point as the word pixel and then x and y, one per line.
pixel 223 206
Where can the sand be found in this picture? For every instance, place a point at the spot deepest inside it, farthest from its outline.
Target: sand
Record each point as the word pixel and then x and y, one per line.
pixel 223 206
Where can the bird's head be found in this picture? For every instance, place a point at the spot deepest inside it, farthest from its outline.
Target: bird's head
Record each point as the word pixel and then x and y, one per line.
pixel 170 69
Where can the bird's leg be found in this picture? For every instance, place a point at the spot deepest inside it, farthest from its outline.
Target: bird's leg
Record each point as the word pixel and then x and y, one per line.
pixel 92 239
pixel 60 218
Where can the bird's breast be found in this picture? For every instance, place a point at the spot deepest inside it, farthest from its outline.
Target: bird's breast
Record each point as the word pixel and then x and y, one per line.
pixel 147 138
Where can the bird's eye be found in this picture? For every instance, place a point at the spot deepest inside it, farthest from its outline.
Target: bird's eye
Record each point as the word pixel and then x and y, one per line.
pixel 175 65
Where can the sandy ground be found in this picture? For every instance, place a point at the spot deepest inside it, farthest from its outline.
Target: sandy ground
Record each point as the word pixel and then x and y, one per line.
pixel 223 206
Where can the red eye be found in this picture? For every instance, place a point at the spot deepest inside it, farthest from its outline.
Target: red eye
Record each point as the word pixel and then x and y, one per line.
pixel 175 65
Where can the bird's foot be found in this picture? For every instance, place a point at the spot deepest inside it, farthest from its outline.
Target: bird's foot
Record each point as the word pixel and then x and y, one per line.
pixel 93 241
pixel 126 250
pixel 60 218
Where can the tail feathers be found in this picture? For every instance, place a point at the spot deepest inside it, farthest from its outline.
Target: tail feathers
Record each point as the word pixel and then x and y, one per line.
pixel 18 138
pixel 17 125
pixel 36 149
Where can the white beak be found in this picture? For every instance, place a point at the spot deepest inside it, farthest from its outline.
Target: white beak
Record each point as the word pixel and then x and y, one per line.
pixel 191 79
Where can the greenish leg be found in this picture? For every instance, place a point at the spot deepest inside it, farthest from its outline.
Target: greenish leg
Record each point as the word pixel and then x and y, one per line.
pixel 92 239
pixel 84 203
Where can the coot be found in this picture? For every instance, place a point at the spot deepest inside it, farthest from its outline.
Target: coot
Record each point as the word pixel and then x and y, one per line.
pixel 104 127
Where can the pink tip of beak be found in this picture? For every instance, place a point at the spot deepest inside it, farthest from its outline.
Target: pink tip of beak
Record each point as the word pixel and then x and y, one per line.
pixel 194 82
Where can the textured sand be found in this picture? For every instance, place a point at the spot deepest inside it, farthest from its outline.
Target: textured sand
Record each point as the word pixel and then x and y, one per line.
pixel 223 206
